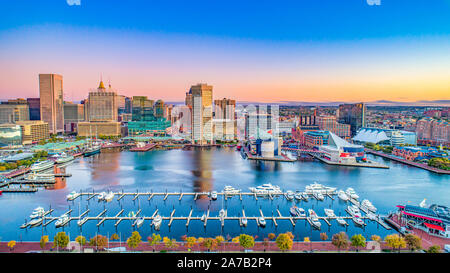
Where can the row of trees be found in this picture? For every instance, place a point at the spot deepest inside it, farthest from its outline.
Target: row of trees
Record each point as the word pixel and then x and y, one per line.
pixel 284 241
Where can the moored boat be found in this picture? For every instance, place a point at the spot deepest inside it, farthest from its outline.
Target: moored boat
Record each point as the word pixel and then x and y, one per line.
pixel 42 165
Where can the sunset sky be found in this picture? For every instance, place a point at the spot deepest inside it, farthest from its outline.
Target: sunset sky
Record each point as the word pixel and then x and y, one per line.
pixel 261 51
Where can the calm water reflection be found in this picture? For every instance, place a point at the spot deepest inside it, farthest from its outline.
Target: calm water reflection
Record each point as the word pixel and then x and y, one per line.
pixel 207 170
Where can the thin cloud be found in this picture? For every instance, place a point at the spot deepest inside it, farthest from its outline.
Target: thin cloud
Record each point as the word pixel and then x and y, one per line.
pixel 74 2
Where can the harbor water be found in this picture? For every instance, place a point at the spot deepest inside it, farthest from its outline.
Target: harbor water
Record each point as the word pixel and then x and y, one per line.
pixel 205 170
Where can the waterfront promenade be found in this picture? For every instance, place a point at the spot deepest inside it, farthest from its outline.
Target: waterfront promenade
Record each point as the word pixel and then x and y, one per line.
pixel 411 163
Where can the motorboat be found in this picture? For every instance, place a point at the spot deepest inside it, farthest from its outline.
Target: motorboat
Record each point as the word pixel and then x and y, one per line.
pixel 62 220
pixel 366 203
pixel 48 177
pixel 109 196
pixel 289 195
pixel 244 221
pixel 42 165
pixel 316 187
pixel 231 190
pixel 101 196
pixel 222 214
pixel 314 219
pixel 329 212
pixel 354 211
pixel 266 189
pixel 305 197
pixel 261 221
pixel 298 196
pixel 63 158
pixel 35 222
pixel 293 211
pixel 71 195
pixel 319 196
pixel 157 221
pixel 342 195
pixel 37 213
pixel 372 216
pixel 138 223
pixel 341 221
pixel 358 221
pixel 203 218
pixel 214 195
pixel 300 212
pixel 351 193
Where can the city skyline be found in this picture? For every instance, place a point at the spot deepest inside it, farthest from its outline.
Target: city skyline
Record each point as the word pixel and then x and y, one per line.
pixel 366 53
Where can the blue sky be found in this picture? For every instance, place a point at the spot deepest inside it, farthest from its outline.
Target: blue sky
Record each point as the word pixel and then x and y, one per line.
pixel 312 41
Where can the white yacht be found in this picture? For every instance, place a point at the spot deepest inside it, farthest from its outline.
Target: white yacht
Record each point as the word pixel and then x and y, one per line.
pixel 63 158
pixel 101 196
pixel 314 219
pixel 305 197
pixel 341 221
pixel 41 177
pixel 342 195
pixel 366 203
pixel 298 196
pixel 222 214
pixel 372 216
pixel 261 221
pixel 203 218
pixel 138 223
pixel 42 165
pixel 109 196
pixel 316 187
pixel 71 195
pixel 358 221
pixel 289 195
pixel 293 211
pixel 35 222
pixel 214 195
pixel 300 212
pixel 266 189
pixel 157 221
pixel 62 220
pixel 351 193
pixel 37 213
pixel 354 211
pixel 231 190
pixel 329 212
pixel 319 196
pixel 244 221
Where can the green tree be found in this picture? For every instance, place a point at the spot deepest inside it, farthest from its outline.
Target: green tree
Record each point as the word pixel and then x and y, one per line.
pixel 284 242
pixel 191 242
pixel 358 240
pixel 44 240
pixel 81 240
pixel 340 240
pixel 134 240
pixel 395 241
pixel 375 238
pixel 434 249
pixel 154 240
pixel 246 241
pixel 61 240
pixel 99 241
pixel 11 245
pixel 414 242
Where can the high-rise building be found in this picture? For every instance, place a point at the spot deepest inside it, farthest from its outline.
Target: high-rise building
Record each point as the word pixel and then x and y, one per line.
pixel 432 131
pixel 73 113
pixel 352 114
pixel 329 123
pixel 224 119
pixel 159 109
pixel 102 104
pixel 51 101
pixel 11 113
pixel 33 131
pixel 142 109
pixel 34 105
pixel 202 129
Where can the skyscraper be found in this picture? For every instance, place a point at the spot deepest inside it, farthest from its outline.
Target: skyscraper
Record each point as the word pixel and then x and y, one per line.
pixel 34 105
pixel 224 119
pixel 352 114
pixel 51 101
pixel 103 104
pixel 201 114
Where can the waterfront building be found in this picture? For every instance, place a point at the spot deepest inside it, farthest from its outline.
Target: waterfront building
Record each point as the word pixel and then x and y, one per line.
pixel 329 123
pixel 352 114
pixel 98 129
pixel 34 131
pixel 34 105
pixel 202 125
pixel 385 136
pixel 341 151
pixel 51 101
pixel 153 128
pixel 432 131
pixel 435 220
pixel 12 113
pixel 260 119
pixel 73 113
pixel 417 153
pixel 316 138
pixel 10 135
pixel 102 104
